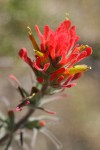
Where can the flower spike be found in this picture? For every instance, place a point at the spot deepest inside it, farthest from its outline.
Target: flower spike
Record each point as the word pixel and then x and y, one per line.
pixel 55 68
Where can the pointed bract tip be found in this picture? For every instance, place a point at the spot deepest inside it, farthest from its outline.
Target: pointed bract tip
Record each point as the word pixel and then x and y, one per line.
pixel 29 30
pixel 42 123
pixel 11 76
pixel 50 112
pixel 67 16
pixel 18 108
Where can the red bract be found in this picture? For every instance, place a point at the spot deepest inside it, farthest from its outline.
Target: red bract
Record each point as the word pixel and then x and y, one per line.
pixel 24 55
pixel 57 55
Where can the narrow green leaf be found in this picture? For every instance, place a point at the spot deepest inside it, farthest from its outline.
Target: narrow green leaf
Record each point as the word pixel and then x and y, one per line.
pixel 21 138
pixel 11 120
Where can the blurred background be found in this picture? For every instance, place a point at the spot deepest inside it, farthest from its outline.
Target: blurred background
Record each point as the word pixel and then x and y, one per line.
pixel 79 128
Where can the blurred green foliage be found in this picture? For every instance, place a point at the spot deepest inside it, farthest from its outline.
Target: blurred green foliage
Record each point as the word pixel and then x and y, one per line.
pixel 16 15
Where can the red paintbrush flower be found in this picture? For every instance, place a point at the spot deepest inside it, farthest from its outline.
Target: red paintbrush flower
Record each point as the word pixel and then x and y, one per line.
pixel 57 55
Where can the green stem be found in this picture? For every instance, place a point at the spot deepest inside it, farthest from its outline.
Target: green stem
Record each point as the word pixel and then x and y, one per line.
pixel 29 113
pixel 18 125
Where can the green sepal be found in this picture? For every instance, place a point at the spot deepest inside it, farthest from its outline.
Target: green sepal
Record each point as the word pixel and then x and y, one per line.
pixel 11 120
pixel 32 124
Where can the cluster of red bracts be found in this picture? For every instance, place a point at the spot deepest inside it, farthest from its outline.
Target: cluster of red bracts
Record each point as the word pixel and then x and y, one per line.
pixel 57 55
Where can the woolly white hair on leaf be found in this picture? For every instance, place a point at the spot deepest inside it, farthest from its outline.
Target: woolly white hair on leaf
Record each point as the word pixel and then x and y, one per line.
pixel 52 137
pixel 34 138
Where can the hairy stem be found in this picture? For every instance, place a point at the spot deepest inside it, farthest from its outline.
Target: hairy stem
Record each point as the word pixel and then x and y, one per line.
pixel 29 113
pixel 18 124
